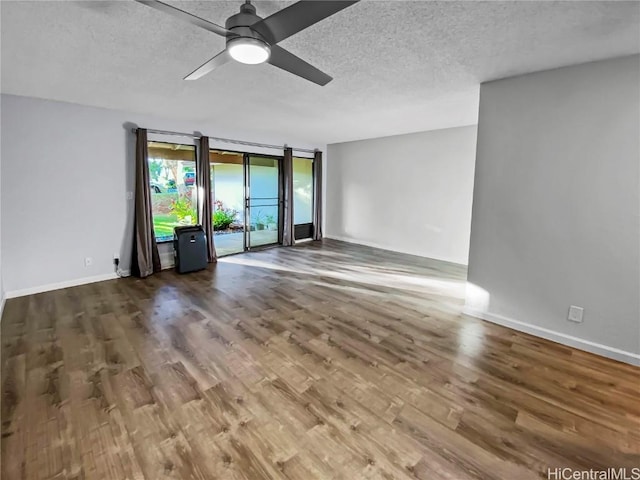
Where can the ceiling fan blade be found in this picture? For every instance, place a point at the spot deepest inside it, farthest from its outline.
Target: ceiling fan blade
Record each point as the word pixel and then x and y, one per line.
pixel 285 60
pixel 220 59
pixel 297 17
pixel 186 17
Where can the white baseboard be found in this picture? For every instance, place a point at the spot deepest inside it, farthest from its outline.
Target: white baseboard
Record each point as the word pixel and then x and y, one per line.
pixel 386 247
pixel 562 338
pixel 57 286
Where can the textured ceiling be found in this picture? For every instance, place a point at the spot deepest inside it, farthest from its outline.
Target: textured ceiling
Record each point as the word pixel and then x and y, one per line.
pixel 398 66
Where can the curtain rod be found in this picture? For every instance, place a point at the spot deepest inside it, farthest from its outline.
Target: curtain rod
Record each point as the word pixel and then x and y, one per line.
pixel 225 140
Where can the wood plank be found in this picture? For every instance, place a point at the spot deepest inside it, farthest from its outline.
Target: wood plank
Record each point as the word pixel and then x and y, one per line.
pixel 322 361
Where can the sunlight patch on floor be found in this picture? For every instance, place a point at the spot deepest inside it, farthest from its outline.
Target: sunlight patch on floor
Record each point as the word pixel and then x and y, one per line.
pixel 409 282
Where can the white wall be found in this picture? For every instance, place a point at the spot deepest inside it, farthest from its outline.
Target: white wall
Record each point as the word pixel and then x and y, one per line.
pixel 2 294
pixel 408 193
pixel 556 212
pixel 65 172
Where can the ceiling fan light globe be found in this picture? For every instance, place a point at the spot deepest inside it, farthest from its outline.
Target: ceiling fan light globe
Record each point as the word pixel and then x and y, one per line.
pixel 248 50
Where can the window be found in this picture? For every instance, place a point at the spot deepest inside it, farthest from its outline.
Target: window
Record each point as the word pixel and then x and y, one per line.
pixel 303 197
pixel 172 177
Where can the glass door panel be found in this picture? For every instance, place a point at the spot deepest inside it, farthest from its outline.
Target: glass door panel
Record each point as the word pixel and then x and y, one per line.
pixel 228 192
pixel 303 197
pixel 263 205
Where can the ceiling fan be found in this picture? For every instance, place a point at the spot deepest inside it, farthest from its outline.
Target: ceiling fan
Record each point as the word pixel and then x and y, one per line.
pixel 252 39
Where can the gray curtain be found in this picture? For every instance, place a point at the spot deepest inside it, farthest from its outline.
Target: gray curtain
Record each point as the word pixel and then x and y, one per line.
pixel 317 198
pixel 145 259
pixel 288 230
pixel 203 182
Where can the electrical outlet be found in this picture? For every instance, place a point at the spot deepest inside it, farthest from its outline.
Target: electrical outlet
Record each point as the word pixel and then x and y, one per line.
pixel 88 261
pixel 575 314
pixel 129 195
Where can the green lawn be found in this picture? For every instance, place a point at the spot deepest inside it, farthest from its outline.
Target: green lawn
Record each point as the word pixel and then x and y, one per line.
pixel 163 225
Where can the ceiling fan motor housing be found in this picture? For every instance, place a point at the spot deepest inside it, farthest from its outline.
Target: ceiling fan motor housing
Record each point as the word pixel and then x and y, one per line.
pixel 240 23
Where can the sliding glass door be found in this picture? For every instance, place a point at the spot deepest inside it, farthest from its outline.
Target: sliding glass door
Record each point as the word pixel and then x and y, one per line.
pixel 263 201
pixel 246 197
pixel 228 192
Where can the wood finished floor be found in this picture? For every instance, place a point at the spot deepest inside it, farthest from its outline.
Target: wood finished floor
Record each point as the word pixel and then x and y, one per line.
pixel 321 361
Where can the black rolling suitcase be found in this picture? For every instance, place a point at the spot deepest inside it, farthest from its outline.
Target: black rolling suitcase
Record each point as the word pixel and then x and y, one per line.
pixel 189 248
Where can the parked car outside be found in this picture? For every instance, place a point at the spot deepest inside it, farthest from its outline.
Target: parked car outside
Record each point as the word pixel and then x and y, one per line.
pixel 189 178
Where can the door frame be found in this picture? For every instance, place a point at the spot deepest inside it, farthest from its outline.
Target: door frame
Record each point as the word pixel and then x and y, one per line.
pixel 247 200
pixel 304 231
pixel 246 207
